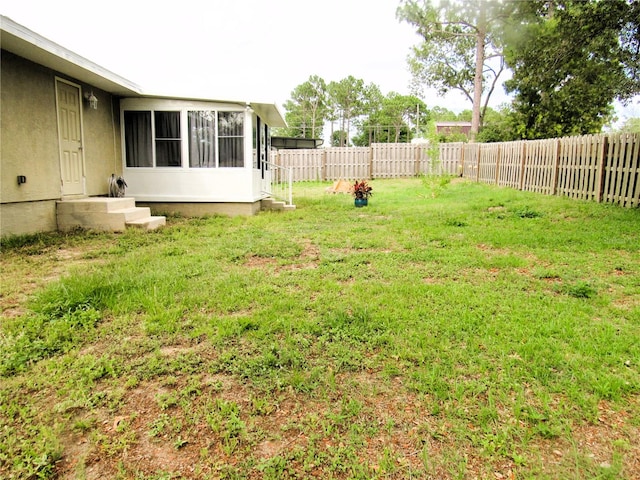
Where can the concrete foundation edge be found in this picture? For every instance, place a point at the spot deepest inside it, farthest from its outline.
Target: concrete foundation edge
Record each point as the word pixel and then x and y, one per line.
pixel 201 209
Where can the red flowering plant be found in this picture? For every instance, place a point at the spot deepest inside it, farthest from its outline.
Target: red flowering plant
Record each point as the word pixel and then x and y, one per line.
pixel 361 189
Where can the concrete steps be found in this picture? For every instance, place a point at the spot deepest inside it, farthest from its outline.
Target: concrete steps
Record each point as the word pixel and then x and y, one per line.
pixel 105 214
pixel 275 205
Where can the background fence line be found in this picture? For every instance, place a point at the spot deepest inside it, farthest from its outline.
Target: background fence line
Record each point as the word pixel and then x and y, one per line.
pixel 380 160
pixel 602 168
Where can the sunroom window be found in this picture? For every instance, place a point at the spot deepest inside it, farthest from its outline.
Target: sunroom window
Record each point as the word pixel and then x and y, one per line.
pixel 140 139
pixel 231 138
pixel 202 139
pixel 168 143
pixel 156 138
pixel 137 139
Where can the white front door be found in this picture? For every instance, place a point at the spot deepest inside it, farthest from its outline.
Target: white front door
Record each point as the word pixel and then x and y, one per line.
pixel 70 138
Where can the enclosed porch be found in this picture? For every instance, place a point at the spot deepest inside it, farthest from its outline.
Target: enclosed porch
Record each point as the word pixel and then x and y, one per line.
pixel 197 157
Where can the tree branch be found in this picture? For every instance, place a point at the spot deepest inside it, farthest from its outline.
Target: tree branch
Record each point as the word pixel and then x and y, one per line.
pixel 493 86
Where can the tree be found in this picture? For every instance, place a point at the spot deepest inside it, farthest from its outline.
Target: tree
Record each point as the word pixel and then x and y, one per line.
pixel 307 109
pixel 442 114
pixel 349 98
pixel 396 120
pixel 338 138
pixel 498 126
pixel 631 125
pixel 570 60
pixel 461 48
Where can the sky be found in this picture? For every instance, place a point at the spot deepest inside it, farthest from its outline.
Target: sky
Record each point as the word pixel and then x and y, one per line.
pixel 248 50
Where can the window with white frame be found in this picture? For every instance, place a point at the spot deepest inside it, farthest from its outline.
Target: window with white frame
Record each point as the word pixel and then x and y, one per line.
pixel 231 139
pixel 138 139
pixel 168 141
pixel 202 139
pixel 154 138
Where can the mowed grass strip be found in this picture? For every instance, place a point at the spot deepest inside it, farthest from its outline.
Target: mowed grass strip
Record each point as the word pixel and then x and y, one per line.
pixel 447 330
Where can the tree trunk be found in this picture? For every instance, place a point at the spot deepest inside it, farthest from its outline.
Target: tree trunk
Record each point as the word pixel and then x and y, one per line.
pixel 313 124
pixel 477 80
pixel 346 143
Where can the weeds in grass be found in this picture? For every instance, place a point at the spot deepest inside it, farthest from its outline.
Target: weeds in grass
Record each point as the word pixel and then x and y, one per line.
pixel 580 289
pixel 434 184
pixel 526 212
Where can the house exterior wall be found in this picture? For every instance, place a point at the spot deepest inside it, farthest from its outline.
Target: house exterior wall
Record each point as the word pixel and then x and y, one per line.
pixel 102 152
pixel 30 147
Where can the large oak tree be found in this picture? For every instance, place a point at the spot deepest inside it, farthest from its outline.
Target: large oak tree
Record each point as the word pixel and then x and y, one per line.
pixel 570 60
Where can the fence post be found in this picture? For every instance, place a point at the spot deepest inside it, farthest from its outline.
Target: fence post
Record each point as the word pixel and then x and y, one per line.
pixel 556 169
pixel 602 160
pixel 323 167
pixel 498 158
pixel 478 165
pixel 416 158
pixel 522 163
pixel 371 161
pixel 460 171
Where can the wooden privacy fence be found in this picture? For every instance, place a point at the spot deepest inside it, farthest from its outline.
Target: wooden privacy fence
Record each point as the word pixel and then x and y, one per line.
pixel 603 168
pixel 380 160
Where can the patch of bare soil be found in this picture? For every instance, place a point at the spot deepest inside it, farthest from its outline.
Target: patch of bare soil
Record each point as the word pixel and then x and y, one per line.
pixel 598 445
pixel 404 433
pixel 126 436
pixel 309 258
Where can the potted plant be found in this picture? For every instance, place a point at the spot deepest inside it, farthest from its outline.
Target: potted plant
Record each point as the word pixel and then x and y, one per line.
pixel 361 192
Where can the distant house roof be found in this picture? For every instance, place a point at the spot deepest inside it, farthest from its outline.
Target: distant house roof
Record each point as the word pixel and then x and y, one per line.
pixel 449 127
pixel 26 43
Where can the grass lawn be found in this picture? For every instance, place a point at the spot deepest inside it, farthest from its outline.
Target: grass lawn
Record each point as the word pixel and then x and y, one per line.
pixel 446 331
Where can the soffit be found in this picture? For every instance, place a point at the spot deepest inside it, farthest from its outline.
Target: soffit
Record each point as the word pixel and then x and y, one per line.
pixel 270 113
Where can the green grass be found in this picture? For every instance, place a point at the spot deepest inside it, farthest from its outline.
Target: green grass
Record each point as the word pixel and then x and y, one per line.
pixel 447 330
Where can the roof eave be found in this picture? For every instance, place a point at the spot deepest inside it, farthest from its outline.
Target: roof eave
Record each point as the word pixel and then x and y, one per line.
pixel 270 113
pixel 25 43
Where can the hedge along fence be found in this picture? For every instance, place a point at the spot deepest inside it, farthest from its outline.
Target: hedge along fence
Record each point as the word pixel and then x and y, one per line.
pixel 603 168
pixel 380 160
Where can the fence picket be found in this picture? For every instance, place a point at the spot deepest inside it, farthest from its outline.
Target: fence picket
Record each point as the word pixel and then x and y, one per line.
pixel 621 171
pixel 633 190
